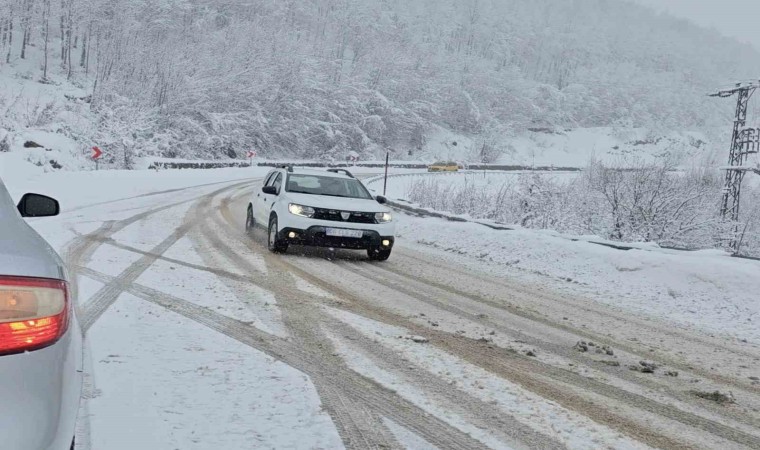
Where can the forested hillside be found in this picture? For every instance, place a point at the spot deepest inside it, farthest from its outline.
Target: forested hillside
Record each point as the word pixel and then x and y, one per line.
pixel 317 78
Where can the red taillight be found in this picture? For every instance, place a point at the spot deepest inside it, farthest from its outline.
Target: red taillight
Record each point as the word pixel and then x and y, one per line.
pixel 34 313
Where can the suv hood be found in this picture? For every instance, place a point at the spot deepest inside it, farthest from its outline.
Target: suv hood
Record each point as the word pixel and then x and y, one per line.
pixel 337 203
pixel 23 252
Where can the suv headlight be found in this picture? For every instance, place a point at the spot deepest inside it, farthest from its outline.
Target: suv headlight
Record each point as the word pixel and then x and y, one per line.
pixel 300 210
pixel 383 217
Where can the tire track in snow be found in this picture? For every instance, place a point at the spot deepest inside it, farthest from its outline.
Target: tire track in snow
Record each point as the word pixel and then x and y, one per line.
pixel 77 253
pixel 349 387
pixel 307 315
pixel 108 294
pixel 273 286
pixel 212 270
pixel 412 263
pixel 360 307
pixel 81 249
pixel 478 412
pixel 521 369
pixel 490 316
pixel 583 384
pixel 149 194
pixel 510 366
pixel 302 313
pixel 345 409
pixel 358 424
pixel 521 302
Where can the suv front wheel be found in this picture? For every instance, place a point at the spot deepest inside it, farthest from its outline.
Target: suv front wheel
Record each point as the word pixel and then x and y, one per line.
pixel 250 223
pixel 276 245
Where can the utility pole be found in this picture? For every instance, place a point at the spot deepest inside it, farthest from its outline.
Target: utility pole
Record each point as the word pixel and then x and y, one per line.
pixel 744 141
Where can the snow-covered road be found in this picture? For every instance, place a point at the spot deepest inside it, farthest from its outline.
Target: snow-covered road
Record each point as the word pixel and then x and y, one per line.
pixel 199 338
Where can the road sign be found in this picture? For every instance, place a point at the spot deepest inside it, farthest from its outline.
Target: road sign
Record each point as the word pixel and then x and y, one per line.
pixel 251 153
pixel 96 153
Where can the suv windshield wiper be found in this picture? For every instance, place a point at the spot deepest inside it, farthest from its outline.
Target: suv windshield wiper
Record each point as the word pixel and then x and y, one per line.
pixel 337 195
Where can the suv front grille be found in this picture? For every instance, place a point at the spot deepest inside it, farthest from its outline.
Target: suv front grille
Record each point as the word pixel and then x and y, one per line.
pixel 335 216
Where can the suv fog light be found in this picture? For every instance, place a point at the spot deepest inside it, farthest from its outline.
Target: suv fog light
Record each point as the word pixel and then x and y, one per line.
pixel 292 235
pixel 386 243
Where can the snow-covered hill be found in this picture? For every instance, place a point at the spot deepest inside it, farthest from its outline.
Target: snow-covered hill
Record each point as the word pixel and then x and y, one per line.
pixel 576 147
pixel 210 79
pixel 56 115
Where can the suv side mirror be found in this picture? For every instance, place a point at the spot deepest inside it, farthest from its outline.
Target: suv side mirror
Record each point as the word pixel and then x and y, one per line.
pixel 271 190
pixel 36 205
pixel 382 200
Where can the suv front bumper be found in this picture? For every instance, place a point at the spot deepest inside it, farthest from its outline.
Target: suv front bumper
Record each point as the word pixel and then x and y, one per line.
pixel 316 236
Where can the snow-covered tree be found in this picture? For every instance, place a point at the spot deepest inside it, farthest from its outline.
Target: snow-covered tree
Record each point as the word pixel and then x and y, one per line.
pixel 319 78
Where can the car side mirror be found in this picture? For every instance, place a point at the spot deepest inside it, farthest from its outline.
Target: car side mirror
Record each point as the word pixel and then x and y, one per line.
pixel 271 190
pixel 382 200
pixel 36 205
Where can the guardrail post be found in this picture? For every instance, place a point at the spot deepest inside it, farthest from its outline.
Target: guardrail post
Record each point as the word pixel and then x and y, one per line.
pixel 385 182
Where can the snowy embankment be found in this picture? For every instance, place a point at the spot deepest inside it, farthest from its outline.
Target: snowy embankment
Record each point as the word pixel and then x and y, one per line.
pixel 703 290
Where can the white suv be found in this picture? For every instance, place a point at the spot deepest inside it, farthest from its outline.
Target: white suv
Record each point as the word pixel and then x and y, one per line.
pixel 321 208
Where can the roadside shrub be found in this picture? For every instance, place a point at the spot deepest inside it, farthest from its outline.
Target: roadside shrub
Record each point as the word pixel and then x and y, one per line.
pixel 655 202
pixel 632 201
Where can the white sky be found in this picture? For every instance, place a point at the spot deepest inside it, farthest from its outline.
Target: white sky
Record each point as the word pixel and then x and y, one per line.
pixel 739 19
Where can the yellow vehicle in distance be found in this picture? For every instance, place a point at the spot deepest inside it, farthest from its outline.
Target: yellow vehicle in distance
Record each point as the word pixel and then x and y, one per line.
pixel 444 166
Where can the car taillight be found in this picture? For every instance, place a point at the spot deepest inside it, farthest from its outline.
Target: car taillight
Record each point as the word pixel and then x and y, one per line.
pixel 34 313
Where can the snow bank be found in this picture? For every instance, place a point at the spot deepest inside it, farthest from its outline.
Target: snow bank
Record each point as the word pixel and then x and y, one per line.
pixel 705 290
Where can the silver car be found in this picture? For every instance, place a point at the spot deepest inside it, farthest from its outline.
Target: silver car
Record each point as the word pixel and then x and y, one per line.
pixel 40 338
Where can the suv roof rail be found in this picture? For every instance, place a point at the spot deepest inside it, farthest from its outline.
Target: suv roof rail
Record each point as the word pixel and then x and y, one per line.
pixel 342 171
pixel 286 166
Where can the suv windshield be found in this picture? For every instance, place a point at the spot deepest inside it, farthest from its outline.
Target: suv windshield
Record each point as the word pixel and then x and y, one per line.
pixel 332 186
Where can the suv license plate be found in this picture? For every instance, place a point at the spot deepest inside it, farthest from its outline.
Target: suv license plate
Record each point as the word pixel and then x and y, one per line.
pixel 341 232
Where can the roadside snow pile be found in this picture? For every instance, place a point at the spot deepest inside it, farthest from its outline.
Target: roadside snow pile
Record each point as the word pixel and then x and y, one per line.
pixel 706 290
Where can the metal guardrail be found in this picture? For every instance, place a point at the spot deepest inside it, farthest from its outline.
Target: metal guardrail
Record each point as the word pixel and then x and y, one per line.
pixel 401 165
pixel 372 165
pixel 197 165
